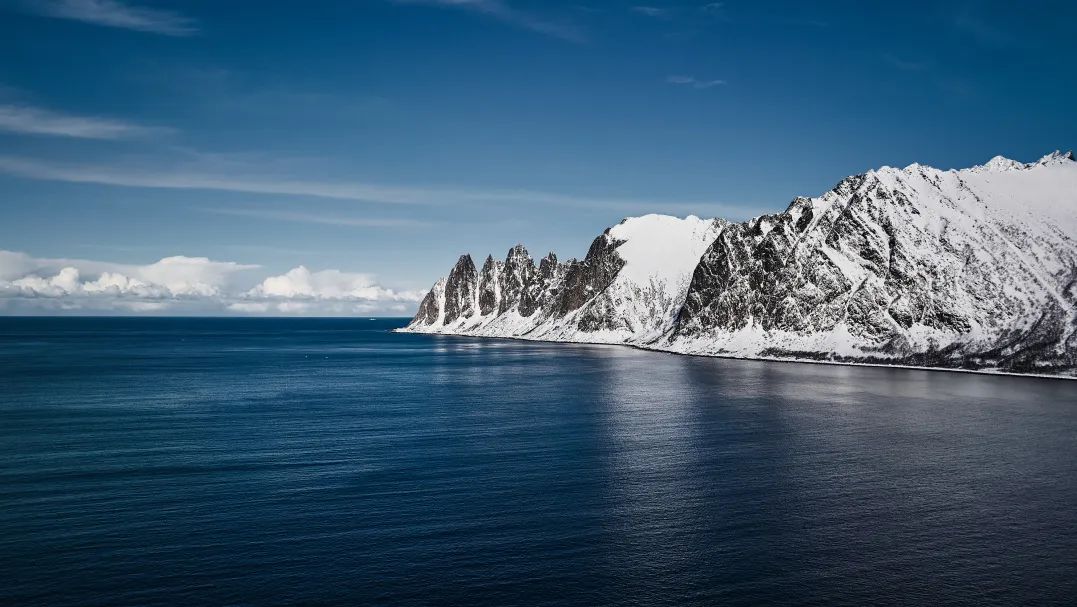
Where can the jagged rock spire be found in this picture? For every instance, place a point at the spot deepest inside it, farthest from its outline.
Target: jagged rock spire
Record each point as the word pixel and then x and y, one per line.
pixel 517 276
pixel 489 287
pixel 461 290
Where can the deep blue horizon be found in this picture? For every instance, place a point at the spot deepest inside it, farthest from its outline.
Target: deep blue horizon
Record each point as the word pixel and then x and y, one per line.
pixel 335 158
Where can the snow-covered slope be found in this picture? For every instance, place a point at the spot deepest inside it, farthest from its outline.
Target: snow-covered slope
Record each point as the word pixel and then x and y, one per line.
pixel 629 288
pixel 972 268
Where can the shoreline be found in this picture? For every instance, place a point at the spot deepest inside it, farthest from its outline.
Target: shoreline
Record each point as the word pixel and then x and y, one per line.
pixel 985 372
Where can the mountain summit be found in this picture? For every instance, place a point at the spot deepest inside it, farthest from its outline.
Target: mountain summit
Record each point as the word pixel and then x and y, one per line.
pixel 973 269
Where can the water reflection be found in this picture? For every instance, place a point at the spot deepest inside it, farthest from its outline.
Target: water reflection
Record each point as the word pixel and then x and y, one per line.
pixel 310 462
pixel 731 477
pixel 651 431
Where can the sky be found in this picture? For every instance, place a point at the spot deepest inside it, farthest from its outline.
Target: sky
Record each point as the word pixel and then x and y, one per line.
pixel 336 157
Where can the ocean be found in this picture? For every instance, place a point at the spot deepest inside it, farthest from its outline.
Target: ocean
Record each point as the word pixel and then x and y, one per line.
pixel 221 461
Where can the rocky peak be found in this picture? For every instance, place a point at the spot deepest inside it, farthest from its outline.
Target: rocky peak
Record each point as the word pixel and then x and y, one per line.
pixel 548 265
pixel 542 287
pixel 516 276
pixel 461 290
pixel 430 308
pixel 585 279
pixel 1000 163
pixel 489 286
pixel 1056 157
pixel 517 254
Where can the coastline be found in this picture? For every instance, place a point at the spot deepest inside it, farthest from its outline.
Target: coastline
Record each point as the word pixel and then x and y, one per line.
pixel 646 348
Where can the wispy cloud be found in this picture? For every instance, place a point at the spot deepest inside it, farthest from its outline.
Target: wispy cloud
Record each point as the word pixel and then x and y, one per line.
pixel 905 65
pixel 333 220
pixel 113 13
pixel 651 11
pixel 238 179
pixel 693 82
pixel 502 11
pixel 217 90
pixel 181 179
pixel 715 9
pixel 981 30
pixel 38 121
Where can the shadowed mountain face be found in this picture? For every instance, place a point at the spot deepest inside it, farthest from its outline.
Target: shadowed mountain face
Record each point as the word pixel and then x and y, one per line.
pixel 975 268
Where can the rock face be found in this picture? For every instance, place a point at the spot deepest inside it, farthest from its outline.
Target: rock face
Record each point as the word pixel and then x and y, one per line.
pixel 972 268
pixel 461 291
pixel 489 286
pixel 516 278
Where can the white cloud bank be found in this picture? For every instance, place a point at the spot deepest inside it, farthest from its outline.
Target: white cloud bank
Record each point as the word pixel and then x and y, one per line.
pixel 188 285
pixel 299 282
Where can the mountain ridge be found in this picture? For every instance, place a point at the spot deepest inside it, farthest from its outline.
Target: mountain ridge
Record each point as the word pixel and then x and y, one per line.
pixel 973 269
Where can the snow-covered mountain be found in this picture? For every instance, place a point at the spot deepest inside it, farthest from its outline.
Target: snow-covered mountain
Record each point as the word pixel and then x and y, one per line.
pixel 973 268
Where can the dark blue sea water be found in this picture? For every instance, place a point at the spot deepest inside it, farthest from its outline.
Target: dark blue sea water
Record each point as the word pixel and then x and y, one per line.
pixel 269 462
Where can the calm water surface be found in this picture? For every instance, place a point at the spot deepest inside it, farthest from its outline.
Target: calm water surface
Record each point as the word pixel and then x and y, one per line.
pixel 251 462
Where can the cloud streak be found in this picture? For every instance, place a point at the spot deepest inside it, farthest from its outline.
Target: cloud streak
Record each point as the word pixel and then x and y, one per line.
pixel 502 11
pixel 332 220
pixel 37 121
pixel 650 11
pixel 982 31
pixel 236 181
pixel 693 82
pixel 113 13
pixel 715 9
pixel 905 65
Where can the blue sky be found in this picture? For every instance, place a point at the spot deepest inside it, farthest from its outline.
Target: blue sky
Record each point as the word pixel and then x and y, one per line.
pixel 368 143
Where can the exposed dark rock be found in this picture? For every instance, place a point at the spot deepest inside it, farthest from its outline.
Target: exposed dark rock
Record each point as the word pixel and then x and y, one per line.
pixel 583 280
pixel 460 290
pixel 543 286
pixel 489 287
pixel 430 308
pixel 516 277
